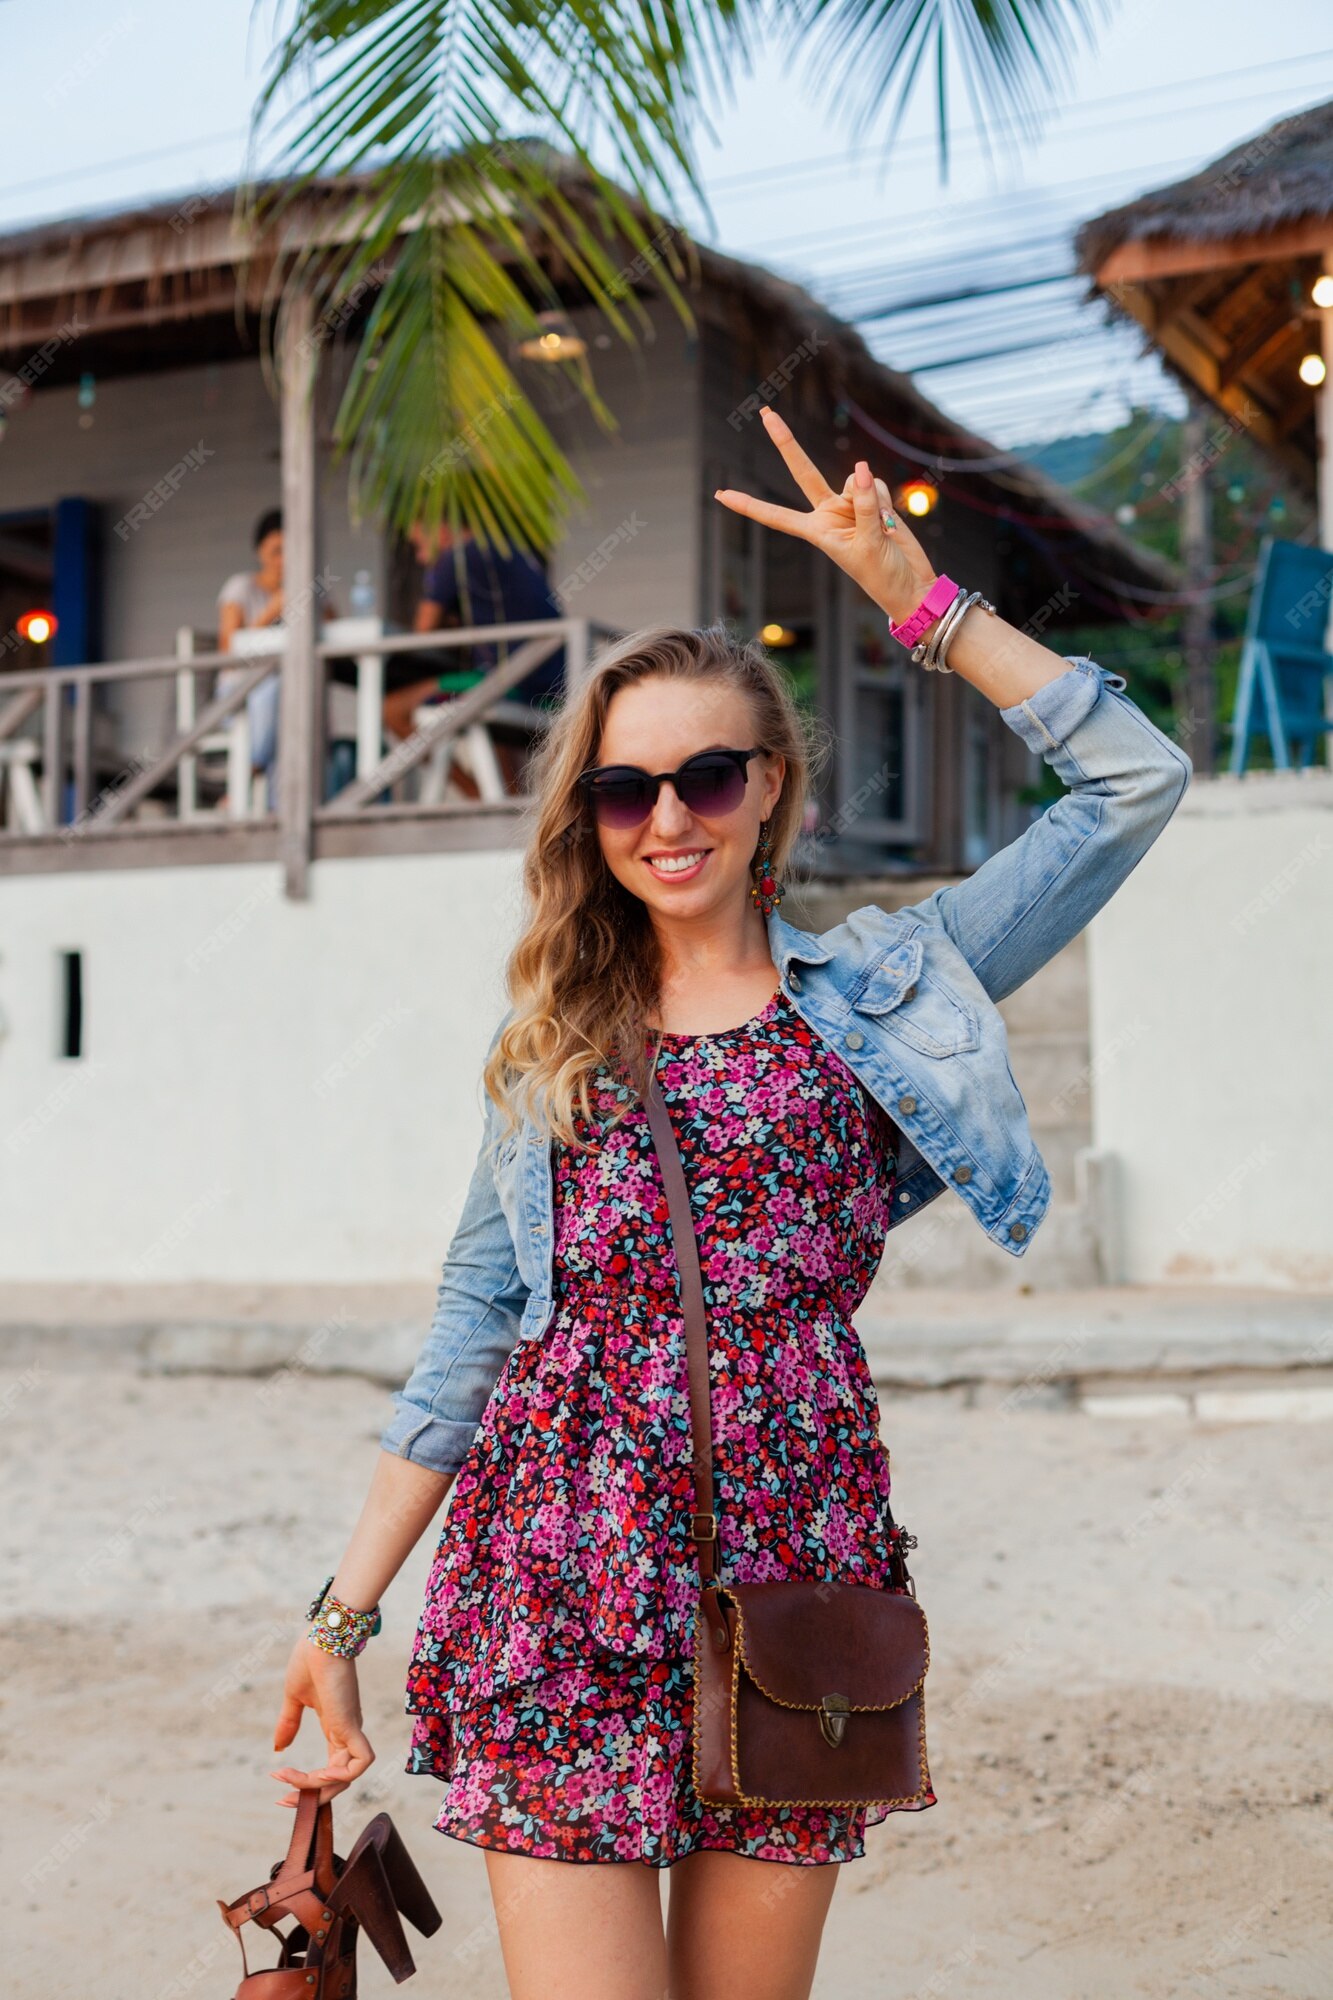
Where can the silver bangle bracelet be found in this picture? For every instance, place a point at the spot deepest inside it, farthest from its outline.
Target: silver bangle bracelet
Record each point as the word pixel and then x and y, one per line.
pixel 947 640
pixel 926 652
pixel 933 653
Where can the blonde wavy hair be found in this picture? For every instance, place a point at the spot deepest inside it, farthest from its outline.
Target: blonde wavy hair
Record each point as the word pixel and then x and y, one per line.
pixel 584 975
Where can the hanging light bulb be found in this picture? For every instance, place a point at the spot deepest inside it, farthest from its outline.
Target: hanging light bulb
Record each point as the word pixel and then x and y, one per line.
pixel 557 341
pixel 1312 370
pixel 1322 290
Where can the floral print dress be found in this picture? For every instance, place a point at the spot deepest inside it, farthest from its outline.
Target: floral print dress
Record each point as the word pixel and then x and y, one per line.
pixel 552 1676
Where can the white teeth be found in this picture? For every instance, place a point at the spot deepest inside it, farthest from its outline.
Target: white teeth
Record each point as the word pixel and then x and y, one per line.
pixel 674 864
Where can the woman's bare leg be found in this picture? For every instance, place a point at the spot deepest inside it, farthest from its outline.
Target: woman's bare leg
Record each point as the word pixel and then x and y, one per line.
pixel 579 1930
pixel 740 1929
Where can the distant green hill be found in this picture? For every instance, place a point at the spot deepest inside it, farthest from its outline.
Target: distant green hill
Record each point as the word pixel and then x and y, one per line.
pixel 1067 459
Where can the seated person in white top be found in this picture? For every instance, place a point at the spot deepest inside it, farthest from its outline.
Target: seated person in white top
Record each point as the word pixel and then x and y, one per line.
pixel 252 599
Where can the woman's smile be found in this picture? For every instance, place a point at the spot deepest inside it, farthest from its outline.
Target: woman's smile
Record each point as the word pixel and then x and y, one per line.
pixel 682 866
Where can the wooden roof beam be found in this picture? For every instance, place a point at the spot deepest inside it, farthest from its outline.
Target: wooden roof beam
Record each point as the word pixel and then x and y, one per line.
pixel 1264 345
pixel 1144 259
pixel 1247 402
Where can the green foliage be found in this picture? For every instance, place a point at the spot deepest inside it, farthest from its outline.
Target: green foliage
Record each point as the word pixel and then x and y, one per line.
pixel 1139 466
pixel 457 229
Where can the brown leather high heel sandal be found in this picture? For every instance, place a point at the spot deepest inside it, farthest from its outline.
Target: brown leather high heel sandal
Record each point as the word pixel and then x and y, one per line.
pixel 333 1901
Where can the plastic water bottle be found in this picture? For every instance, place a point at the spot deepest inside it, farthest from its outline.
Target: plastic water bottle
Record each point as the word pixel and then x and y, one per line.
pixel 363 595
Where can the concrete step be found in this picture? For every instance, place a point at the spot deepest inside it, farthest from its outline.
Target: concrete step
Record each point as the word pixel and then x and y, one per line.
pixel 916 1337
pixel 1053 1072
pixel 944 1248
pixel 1060 1146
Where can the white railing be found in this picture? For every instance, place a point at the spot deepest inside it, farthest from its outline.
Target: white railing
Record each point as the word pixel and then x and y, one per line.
pixel 58 795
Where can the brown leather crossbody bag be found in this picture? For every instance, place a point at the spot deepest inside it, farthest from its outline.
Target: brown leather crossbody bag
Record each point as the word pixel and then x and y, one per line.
pixel 809 1692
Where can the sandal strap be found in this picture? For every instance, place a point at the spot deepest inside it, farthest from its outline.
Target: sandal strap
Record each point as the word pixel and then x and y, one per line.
pixel 285 1895
pixel 292 1984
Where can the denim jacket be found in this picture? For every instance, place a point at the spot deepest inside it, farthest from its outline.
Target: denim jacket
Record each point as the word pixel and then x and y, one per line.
pixel 907 998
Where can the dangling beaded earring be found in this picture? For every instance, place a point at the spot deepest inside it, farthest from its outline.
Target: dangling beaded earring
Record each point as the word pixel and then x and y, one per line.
pixel 765 892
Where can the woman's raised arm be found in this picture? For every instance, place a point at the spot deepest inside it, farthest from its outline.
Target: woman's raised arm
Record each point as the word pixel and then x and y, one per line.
pixel 891 567
pixel 1125 776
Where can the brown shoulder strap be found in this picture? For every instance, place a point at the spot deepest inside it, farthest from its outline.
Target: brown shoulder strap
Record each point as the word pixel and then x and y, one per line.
pixel 704 1525
pixel 686 1245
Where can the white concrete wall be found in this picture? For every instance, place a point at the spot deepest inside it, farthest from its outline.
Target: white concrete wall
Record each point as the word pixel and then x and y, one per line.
pixel 207 1135
pixel 1212 1038
pixel 630 552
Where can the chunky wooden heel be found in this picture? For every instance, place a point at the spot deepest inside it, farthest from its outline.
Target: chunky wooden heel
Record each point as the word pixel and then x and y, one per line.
pixel 332 1901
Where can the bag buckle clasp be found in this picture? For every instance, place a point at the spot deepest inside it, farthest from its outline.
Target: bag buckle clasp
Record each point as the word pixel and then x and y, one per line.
pixel 833 1712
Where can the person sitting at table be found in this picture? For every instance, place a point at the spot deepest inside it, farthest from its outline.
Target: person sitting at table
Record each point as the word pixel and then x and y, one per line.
pixel 463 585
pixel 250 600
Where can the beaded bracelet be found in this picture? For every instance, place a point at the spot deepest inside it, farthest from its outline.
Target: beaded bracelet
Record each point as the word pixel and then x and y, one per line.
pixel 336 1628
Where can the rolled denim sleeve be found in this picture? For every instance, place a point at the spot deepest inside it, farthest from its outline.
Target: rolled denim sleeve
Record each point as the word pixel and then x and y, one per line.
pixel 1125 779
pixel 474 1328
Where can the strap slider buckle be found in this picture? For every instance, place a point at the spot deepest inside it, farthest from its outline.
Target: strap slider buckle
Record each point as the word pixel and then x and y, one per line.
pixel 705 1534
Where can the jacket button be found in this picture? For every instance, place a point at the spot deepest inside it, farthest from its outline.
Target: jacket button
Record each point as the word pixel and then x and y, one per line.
pixel 910 993
pixel 793 982
pixel 856 1040
pixel 907 1105
pixel 1018 1230
pixel 962 1174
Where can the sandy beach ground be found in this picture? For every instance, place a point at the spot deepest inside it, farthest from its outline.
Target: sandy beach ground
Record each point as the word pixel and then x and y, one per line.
pixel 1128 1700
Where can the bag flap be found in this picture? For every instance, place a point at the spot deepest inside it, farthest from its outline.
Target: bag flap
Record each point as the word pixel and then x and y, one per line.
pixel 803 1640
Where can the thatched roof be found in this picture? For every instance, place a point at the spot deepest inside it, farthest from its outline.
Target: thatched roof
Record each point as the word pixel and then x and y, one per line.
pixel 1281 176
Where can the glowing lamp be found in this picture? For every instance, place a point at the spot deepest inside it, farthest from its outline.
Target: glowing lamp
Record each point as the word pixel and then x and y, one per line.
pixel 557 340
pixel 918 497
pixel 36 626
pixel 1322 290
pixel 778 635
pixel 1312 370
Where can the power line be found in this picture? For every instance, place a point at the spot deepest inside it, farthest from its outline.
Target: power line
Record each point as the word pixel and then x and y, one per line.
pixel 114 166
pixel 926 142
pixel 943 216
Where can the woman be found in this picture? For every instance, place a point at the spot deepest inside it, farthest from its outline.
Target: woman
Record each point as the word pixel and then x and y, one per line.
pixel 822 1089
pixel 251 600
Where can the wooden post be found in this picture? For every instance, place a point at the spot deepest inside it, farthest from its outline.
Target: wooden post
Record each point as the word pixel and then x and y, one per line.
pixel 298 731
pixel 1199 692
pixel 1323 419
pixel 1323 435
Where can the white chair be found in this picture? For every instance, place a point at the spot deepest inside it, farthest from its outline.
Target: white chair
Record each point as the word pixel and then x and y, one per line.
pixel 22 801
pixel 225 751
pixel 473 750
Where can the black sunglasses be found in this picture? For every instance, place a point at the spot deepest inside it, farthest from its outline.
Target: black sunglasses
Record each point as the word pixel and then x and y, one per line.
pixel 710 784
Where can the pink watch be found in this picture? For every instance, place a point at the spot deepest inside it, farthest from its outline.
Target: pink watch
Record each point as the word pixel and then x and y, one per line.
pixel 937 599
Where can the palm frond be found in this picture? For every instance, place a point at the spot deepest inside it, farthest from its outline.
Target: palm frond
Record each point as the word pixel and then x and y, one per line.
pixel 407 105
pixel 1012 55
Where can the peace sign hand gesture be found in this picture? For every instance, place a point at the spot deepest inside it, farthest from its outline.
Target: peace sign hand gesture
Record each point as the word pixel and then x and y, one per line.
pixel 859 528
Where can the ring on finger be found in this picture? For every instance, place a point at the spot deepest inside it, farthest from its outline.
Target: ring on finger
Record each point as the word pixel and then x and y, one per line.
pixel 888 521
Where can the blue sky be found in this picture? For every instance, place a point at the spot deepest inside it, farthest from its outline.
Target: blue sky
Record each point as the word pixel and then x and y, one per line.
pixel 131 98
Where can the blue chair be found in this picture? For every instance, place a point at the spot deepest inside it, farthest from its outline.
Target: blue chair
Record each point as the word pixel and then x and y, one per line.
pixel 1283 664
